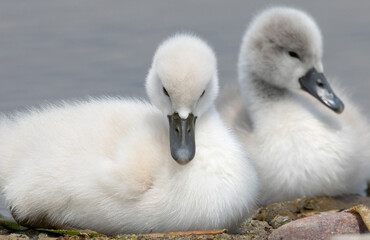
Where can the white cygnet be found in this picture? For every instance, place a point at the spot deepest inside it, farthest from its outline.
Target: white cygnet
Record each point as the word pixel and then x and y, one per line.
pixel 301 138
pixel 125 166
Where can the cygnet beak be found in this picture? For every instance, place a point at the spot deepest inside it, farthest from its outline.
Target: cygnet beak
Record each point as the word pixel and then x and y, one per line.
pixel 182 138
pixel 316 84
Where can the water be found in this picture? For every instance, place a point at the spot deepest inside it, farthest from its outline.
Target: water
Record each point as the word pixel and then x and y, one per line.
pixel 52 50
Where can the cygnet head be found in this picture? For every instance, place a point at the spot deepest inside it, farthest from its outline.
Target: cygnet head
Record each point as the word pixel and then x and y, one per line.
pixel 183 83
pixel 283 47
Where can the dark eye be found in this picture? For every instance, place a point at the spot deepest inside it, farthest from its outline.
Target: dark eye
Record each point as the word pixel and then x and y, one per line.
pixel 165 92
pixel 294 55
pixel 203 93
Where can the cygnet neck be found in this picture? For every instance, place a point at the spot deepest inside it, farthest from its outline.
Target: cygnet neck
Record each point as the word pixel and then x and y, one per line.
pixel 260 92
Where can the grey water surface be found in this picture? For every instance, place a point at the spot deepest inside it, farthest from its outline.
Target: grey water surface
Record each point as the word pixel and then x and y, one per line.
pixel 72 49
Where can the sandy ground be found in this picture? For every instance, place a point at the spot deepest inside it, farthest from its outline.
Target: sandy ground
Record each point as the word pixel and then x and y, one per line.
pixel 51 50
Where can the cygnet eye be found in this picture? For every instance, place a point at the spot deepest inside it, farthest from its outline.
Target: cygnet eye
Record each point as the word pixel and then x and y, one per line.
pixel 165 92
pixel 294 55
pixel 203 93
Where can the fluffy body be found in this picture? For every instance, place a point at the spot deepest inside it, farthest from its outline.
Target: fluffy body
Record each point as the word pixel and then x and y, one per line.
pixel 299 146
pixel 106 165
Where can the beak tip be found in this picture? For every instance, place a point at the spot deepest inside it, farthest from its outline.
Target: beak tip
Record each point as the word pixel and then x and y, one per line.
pixel 182 161
pixel 183 156
pixel 340 108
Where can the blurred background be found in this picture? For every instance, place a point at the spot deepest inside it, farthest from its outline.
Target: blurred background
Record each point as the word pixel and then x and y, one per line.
pixel 52 50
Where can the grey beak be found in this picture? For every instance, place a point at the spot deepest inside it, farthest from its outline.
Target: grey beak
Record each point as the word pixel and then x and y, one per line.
pixel 182 138
pixel 316 84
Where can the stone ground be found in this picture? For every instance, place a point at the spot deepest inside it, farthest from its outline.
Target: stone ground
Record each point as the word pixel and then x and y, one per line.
pixel 260 225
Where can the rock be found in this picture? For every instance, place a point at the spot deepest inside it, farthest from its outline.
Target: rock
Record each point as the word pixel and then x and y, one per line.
pixel 288 209
pixel 42 236
pixel 17 236
pixel 352 237
pixel 363 211
pixel 279 221
pixel 255 228
pixel 323 226
pixel 278 214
